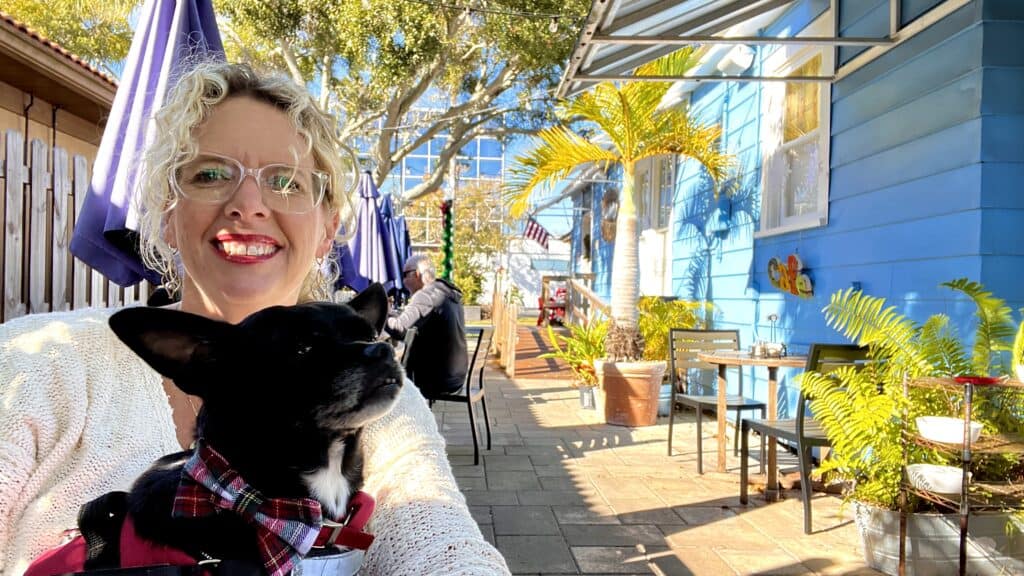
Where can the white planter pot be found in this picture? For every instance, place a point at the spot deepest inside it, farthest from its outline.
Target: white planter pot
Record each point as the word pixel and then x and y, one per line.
pixel 933 543
pixel 665 400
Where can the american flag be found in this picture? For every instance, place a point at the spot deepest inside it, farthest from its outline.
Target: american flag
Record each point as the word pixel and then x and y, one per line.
pixel 534 231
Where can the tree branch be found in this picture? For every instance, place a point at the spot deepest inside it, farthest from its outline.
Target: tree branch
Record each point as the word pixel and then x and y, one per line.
pixel 289 60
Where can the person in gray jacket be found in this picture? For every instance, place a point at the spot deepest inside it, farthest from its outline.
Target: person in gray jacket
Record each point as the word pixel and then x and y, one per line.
pixel 437 359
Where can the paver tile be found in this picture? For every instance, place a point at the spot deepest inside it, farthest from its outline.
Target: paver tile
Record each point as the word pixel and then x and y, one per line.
pixel 524 520
pixel 600 514
pixel 604 535
pixel 563 493
pixel 536 554
pixel 610 560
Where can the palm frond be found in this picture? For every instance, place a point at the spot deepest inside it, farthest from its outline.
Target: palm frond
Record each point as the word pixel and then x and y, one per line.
pixel 679 134
pixel 557 152
pixel 600 106
pixel 995 325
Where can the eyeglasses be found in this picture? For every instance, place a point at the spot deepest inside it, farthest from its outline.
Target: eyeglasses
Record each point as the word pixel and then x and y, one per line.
pixel 408 272
pixel 213 179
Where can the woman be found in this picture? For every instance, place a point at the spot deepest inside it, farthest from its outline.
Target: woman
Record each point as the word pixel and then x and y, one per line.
pixel 80 415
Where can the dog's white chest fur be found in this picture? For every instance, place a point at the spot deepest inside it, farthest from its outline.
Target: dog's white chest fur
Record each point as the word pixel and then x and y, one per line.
pixel 328 485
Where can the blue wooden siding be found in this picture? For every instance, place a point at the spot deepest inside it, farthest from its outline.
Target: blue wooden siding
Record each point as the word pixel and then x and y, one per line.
pixel 926 164
pixel 925 154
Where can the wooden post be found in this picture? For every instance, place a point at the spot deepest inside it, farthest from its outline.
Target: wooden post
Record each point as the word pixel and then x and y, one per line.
pixel 80 272
pixel 15 176
pixel 38 229
pixel 62 201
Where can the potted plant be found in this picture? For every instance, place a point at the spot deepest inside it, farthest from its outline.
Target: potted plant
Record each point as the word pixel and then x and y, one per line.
pixel 865 413
pixel 1017 354
pixel 579 349
pixel 631 119
pixel 657 317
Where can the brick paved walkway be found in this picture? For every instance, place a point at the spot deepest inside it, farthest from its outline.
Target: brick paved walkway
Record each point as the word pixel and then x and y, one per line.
pixel 563 493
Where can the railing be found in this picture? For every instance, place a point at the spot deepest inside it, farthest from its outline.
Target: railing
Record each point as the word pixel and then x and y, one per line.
pixel 38 212
pixel 584 304
pixel 504 317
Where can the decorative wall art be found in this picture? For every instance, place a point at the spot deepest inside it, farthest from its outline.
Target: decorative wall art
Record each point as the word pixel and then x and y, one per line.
pixel 788 276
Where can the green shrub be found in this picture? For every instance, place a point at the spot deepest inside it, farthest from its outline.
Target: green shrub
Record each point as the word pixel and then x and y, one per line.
pixel 658 316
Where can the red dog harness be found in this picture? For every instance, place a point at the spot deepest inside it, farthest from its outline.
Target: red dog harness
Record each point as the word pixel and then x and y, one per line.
pixel 108 540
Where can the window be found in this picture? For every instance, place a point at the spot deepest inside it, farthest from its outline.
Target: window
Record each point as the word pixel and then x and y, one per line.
pixel 490 148
pixel 490 168
pixel 645 195
pixel 655 184
pixel 666 187
pixel 796 138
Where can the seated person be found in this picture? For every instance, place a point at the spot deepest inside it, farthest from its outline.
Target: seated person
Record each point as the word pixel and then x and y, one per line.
pixel 437 360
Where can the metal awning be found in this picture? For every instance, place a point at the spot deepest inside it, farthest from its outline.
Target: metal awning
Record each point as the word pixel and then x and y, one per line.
pixel 620 35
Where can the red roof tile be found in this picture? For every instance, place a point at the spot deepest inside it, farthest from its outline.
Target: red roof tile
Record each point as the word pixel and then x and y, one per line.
pixel 55 47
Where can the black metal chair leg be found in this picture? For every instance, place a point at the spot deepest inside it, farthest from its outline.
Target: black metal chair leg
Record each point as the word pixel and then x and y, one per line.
pixel 764 444
pixel 671 417
pixel 476 439
pixel 744 454
pixel 487 420
pixel 700 443
pixel 805 485
pixel 736 439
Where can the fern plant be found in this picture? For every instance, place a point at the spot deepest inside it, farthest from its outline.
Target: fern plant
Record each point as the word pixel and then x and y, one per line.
pixel 862 410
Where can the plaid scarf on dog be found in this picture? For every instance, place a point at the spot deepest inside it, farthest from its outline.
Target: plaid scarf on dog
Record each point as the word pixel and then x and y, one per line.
pixel 286 527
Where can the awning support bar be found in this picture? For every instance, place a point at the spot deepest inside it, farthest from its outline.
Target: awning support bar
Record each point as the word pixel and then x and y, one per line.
pixel 755 40
pixel 698 78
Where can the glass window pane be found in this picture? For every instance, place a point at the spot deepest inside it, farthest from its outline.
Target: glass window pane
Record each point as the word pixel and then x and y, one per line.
pixel 415 168
pixel 801 116
pixel 490 168
pixel 801 188
pixel 437 144
pixel 644 209
pixel 469 149
pixel 490 148
pixel 420 151
pixel 665 190
pixel 467 168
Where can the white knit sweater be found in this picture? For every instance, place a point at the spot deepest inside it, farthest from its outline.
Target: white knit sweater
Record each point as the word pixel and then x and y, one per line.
pixel 81 415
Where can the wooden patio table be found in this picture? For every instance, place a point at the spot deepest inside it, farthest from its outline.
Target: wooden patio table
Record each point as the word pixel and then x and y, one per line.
pixel 726 358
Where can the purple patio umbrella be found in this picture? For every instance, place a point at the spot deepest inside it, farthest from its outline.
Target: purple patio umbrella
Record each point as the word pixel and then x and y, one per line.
pixel 372 246
pixel 169 34
pixel 401 248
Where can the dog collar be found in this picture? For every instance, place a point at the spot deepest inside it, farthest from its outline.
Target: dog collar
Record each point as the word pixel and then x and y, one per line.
pixel 349 532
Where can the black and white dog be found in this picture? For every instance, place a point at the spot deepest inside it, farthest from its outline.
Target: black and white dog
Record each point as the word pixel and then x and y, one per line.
pixel 285 395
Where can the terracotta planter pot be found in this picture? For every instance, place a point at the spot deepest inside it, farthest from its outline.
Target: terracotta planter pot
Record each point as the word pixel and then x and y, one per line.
pixel 631 391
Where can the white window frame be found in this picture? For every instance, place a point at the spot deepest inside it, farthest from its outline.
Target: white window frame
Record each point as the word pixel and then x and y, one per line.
pixel 647 180
pixel 782 62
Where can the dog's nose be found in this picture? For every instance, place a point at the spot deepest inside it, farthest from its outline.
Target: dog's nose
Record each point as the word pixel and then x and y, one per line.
pixel 379 351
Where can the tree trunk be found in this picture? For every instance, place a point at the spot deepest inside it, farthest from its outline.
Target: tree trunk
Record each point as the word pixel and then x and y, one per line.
pixel 625 258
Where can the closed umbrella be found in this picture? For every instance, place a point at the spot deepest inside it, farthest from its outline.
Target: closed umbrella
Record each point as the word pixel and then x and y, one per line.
pixel 401 249
pixel 372 246
pixel 169 34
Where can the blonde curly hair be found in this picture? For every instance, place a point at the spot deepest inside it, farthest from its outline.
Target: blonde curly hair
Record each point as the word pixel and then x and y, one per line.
pixel 188 104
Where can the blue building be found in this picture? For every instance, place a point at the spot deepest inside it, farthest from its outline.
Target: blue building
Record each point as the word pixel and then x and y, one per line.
pixel 891 161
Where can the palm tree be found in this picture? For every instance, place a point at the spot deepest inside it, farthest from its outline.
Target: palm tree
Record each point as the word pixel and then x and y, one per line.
pixel 631 119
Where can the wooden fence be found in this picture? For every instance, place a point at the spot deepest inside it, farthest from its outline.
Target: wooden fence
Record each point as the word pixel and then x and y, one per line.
pixel 43 191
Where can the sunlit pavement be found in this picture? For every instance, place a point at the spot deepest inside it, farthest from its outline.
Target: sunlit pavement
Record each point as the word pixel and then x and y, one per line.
pixel 563 493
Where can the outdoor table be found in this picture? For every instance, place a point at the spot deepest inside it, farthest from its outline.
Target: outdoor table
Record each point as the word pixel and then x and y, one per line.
pixel 726 358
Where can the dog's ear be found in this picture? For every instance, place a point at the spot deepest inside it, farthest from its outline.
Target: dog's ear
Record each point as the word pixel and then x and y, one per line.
pixel 168 340
pixel 372 304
